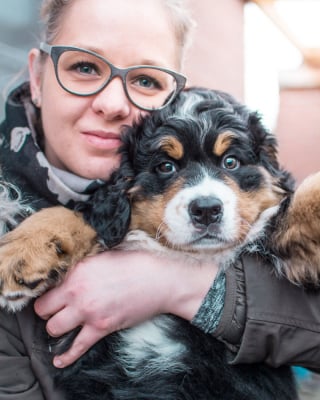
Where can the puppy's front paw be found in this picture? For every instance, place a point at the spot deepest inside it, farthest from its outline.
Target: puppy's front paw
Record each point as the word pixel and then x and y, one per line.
pixel 38 253
pixel 300 235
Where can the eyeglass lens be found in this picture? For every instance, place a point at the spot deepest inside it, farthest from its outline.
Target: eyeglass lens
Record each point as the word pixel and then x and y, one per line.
pixel 83 73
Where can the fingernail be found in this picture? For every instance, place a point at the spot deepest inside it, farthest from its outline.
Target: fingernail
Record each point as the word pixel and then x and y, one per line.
pixel 57 363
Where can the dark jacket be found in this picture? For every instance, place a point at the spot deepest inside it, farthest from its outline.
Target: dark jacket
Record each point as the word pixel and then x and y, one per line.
pixel 268 319
pixel 264 319
pixel 25 358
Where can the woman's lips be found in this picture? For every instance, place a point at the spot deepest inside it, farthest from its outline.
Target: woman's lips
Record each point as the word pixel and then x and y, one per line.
pixel 102 140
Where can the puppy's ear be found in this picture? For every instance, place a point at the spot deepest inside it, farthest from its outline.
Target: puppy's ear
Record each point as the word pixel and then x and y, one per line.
pixel 264 142
pixel 108 210
pixel 265 146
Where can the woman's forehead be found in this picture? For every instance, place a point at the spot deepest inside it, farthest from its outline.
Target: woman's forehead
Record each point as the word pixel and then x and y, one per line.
pixel 140 30
pixel 147 17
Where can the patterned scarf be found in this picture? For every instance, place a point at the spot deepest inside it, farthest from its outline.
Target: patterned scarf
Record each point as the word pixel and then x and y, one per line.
pixel 24 164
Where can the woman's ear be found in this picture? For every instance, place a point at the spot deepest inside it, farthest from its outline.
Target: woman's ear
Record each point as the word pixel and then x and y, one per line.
pixel 35 76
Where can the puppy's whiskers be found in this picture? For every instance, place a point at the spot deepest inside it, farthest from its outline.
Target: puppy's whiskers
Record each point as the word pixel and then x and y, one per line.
pixel 159 233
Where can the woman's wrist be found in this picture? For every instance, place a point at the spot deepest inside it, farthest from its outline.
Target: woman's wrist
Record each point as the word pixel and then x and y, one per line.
pixel 188 286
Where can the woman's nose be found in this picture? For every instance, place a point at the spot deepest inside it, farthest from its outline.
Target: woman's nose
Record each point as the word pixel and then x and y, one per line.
pixel 112 101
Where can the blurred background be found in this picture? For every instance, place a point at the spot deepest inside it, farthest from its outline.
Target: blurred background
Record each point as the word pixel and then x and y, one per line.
pixel 19 29
pixel 264 52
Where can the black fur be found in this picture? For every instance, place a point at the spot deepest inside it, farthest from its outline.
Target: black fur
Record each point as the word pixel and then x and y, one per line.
pixel 110 218
pixel 207 375
pixel 203 370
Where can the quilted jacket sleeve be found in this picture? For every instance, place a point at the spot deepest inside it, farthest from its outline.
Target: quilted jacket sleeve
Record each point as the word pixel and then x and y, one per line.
pixel 267 319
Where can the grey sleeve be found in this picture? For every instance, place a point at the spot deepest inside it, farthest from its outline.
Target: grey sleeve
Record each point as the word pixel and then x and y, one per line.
pixel 209 313
pixel 223 310
pixel 17 380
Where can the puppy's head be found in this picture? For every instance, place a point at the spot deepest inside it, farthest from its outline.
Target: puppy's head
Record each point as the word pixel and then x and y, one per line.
pixel 206 174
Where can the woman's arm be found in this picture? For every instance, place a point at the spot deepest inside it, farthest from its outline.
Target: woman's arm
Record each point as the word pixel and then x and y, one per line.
pixel 264 318
pixel 268 319
pixel 115 290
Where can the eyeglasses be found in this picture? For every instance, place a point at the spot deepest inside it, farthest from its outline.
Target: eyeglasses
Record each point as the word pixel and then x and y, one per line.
pixel 85 73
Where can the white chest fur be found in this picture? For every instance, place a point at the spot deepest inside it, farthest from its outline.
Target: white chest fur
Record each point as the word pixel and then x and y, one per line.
pixel 148 349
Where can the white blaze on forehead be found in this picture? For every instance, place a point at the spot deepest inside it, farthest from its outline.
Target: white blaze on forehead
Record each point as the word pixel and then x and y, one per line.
pixel 187 110
pixel 177 218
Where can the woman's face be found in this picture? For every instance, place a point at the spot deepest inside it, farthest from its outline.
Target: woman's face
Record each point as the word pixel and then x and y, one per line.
pixel 82 134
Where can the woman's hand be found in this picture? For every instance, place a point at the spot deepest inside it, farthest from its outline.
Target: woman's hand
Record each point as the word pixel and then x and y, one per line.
pixel 118 289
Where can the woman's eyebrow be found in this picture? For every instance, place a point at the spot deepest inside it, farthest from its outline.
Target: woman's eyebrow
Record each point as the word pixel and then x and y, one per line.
pixel 102 53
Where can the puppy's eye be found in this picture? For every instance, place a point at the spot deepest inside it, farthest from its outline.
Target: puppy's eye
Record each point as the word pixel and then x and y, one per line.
pixel 166 168
pixel 230 162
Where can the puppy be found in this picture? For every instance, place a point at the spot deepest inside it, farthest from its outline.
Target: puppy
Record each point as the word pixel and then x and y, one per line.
pixel 198 178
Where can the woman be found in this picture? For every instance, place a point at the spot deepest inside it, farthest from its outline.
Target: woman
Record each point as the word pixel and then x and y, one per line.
pixel 61 158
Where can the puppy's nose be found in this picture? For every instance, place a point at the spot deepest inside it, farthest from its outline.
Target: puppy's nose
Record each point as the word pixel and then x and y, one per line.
pixel 205 211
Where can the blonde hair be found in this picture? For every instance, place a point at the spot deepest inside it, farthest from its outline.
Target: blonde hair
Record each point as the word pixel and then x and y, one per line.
pixel 52 12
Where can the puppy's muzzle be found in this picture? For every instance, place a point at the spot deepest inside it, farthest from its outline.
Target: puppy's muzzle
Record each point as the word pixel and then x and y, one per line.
pixel 205 211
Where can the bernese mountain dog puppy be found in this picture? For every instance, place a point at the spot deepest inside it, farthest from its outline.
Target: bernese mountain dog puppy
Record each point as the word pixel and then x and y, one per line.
pixel 198 180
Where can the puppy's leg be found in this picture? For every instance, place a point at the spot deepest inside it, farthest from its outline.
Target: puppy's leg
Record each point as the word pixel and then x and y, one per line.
pixel 298 237
pixel 38 253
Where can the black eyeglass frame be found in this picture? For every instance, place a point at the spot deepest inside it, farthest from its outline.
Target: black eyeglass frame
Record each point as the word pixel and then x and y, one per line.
pixel 56 51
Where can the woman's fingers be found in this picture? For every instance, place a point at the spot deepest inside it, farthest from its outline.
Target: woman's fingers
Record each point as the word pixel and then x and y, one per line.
pixel 50 303
pixel 85 339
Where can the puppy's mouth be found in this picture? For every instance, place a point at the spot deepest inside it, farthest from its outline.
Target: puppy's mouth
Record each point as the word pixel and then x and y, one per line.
pixel 210 237
pixel 211 230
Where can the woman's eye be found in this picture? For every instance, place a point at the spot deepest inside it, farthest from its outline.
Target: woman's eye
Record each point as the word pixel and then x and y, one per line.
pixel 230 162
pixel 85 68
pixel 147 82
pixel 166 168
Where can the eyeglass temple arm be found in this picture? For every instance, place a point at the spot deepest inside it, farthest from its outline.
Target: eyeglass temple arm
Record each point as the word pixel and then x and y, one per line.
pixel 45 47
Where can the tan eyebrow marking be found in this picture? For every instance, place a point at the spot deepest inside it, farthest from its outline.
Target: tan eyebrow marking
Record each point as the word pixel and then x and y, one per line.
pixel 223 142
pixel 172 147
